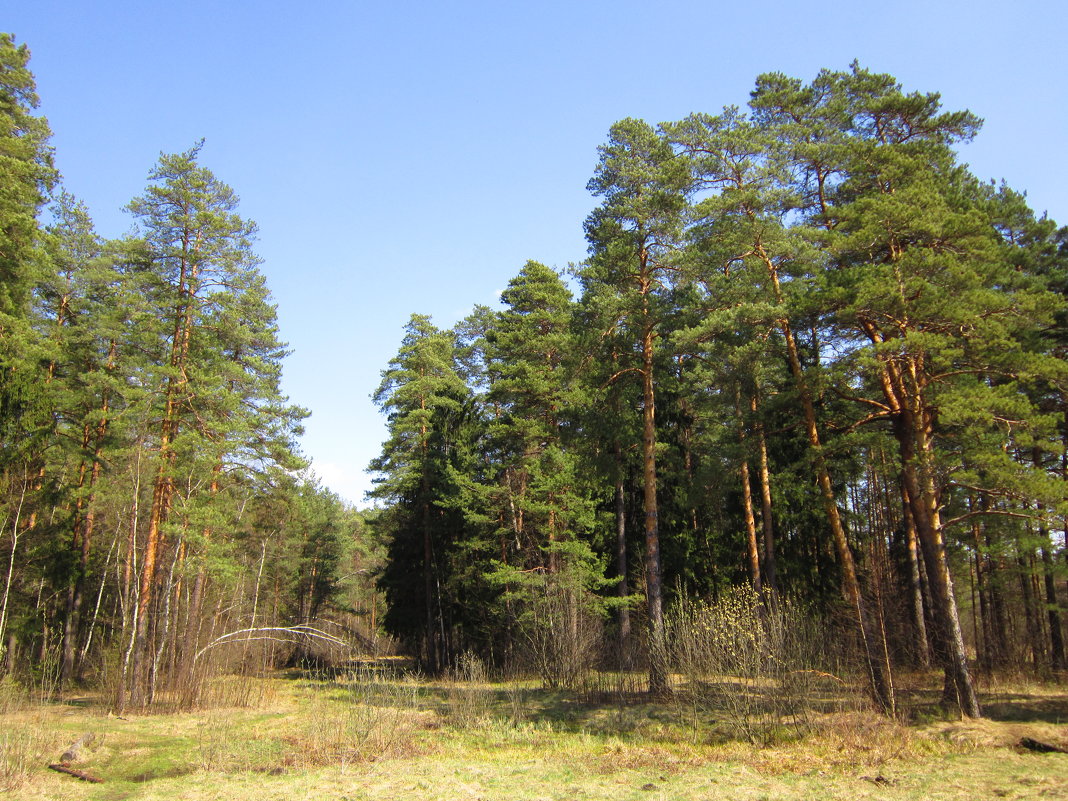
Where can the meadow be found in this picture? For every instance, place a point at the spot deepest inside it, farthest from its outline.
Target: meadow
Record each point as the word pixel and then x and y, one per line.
pixel 374 733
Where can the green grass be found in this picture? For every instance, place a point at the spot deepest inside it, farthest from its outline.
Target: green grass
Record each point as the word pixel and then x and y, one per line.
pixel 399 739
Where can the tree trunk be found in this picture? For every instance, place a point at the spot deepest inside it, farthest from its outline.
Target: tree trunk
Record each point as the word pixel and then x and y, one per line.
pixel 1056 633
pixel 623 587
pixel 924 504
pixel 658 684
pixel 74 586
pixel 919 623
pixel 1056 630
pixel 752 549
pixel 96 608
pixel 903 388
pixel 191 637
pixel 433 661
pixel 881 680
pixel 770 573
pixel 9 664
pixel 1035 642
pixel 163 489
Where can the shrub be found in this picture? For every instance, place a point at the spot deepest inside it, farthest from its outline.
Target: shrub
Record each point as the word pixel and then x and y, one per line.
pixel 752 660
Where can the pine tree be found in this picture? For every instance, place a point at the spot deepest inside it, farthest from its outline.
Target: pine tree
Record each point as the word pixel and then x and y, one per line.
pixel 195 246
pixel 926 300
pixel 545 563
pixel 632 237
pixel 27 177
pixel 27 174
pixel 743 226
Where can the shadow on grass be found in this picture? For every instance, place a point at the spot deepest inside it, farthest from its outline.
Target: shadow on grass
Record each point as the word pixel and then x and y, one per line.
pixel 1022 708
pixel 609 706
pixel 1044 703
pixel 614 705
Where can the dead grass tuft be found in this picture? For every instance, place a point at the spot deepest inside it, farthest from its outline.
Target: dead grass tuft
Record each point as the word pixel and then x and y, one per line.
pixel 620 756
pixel 985 733
pixel 24 748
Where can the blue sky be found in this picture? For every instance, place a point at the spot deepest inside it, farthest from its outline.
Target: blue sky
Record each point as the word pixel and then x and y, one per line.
pixel 411 156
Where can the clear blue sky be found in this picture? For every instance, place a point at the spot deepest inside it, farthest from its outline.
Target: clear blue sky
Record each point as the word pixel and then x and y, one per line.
pixel 411 156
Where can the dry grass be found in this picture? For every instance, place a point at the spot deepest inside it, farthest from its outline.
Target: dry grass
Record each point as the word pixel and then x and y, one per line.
pixel 23 747
pixel 375 737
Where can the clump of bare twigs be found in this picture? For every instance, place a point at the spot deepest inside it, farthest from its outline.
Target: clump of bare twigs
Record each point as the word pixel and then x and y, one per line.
pixel 376 716
pixel 752 663
pixel 469 700
pixel 24 743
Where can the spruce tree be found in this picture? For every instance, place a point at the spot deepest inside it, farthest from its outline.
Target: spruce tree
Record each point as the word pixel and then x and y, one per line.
pixel 424 398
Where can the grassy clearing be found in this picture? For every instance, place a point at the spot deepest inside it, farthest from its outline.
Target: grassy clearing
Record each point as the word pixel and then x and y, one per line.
pixel 374 737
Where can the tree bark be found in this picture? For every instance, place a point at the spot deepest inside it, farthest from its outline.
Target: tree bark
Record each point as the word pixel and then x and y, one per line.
pixel 915 443
pixel 658 683
pixel 1056 629
pixel 770 572
pixel 752 549
pixel 1035 642
pixel 919 622
pixel 623 587
pixel 878 671
pixel 163 488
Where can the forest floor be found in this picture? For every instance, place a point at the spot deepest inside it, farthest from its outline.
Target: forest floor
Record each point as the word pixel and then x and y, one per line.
pixel 367 737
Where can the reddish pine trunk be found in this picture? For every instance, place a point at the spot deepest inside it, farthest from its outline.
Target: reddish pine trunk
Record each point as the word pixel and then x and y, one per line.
pixel 878 667
pixel 658 683
pixel 769 573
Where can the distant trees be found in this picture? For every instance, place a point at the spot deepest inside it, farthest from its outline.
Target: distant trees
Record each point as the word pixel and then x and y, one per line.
pixel 424 397
pixel 150 509
pixel 837 354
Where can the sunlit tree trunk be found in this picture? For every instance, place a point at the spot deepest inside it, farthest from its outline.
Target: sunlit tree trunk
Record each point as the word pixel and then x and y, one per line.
pixel 770 571
pixel 912 429
pixel 658 683
pixel 878 668
pixel 752 548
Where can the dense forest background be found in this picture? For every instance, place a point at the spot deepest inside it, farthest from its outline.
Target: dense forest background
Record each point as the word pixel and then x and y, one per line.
pixel 807 394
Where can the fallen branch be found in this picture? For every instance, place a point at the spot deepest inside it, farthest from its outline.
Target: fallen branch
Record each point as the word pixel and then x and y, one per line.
pixel 77 774
pixel 821 675
pixel 289 634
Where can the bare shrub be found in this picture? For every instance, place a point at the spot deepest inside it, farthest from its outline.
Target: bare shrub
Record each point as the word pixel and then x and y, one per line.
pixel 562 628
pixel 24 743
pixel 469 700
pixel 755 663
pixel 23 749
pixel 378 717
pixel 517 697
pixel 12 696
pixel 236 691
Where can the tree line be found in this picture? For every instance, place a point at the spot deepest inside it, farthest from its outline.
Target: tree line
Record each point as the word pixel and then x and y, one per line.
pixel 808 352
pixel 153 503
